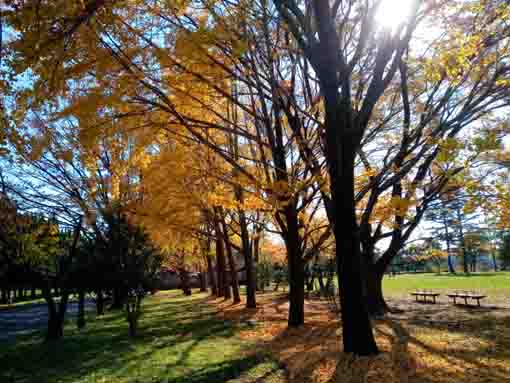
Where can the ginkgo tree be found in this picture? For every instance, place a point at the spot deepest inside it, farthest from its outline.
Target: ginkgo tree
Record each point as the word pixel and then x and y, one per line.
pixel 350 118
pixel 190 85
pixel 455 80
pixel 87 185
pixel 270 160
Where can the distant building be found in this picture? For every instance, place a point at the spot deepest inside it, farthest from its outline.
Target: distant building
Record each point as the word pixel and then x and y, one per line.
pixel 168 278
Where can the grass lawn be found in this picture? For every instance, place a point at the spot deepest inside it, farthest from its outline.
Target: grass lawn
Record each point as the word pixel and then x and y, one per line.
pixel 180 340
pixel 493 284
pixel 200 340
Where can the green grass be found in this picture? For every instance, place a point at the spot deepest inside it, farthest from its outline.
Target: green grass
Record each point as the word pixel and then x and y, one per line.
pixel 180 340
pixel 493 284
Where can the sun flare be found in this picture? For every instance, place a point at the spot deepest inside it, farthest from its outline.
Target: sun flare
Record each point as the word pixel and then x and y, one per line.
pixel 393 12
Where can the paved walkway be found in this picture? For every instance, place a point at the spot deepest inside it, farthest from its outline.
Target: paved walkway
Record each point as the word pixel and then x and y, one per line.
pixel 17 321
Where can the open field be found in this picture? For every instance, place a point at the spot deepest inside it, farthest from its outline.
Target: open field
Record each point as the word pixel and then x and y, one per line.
pixel 495 285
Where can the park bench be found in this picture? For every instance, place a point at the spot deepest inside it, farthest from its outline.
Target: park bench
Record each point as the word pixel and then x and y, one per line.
pixel 466 295
pixel 424 294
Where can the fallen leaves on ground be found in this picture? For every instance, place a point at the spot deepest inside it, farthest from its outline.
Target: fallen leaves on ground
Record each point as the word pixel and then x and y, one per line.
pixel 474 350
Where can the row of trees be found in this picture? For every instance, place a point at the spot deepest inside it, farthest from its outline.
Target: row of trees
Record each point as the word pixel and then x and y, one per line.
pixel 44 255
pixel 459 231
pixel 212 122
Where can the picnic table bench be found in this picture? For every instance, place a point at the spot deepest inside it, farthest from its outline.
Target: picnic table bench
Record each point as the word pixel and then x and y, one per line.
pixel 466 295
pixel 425 294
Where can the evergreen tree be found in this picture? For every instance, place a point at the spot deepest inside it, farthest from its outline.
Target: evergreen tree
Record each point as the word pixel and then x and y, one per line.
pixel 451 221
pixel 504 252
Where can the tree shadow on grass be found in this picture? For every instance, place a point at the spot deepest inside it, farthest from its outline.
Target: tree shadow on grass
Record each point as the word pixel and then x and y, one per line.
pixel 469 346
pixel 473 351
pixel 298 350
pixel 223 371
pixel 105 348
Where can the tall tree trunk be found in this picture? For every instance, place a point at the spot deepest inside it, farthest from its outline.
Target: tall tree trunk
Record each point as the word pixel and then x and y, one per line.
pixel 308 280
pixel 451 268
pixel 212 279
pixel 494 263
pixel 80 322
pixel 358 337
pixel 251 277
pixel 251 301
pixel 296 269
pixel 184 275
pixel 296 292
pixel 256 255
pixel 256 246
pixel 356 327
pixel 53 331
pixel 465 262
pixel 33 294
pixel 374 271
pixel 312 282
pixel 228 290
pixel 99 302
pixel 133 307
pixel 376 303
pixel 118 299
pixel 233 271
pixel 320 279
pixel 232 263
pixel 220 259
pixel 203 281
pixel 56 314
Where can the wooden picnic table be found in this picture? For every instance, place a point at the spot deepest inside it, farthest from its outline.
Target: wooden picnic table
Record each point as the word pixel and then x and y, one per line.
pixel 466 295
pixel 425 294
